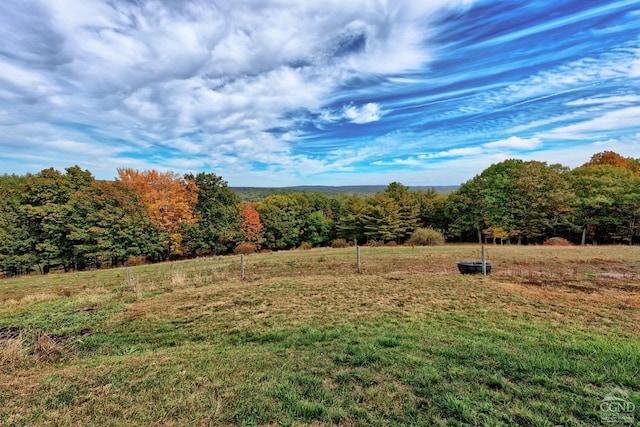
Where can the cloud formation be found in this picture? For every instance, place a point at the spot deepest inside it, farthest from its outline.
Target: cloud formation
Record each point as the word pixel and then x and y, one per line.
pixel 515 143
pixel 370 112
pixel 287 92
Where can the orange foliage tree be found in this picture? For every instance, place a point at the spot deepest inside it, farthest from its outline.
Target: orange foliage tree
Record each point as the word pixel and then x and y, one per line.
pixel 169 198
pixel 251 223
pixel 612 158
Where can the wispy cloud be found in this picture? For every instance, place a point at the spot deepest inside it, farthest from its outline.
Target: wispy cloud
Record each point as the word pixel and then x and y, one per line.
pixel 607 101
pixel 305 92
pixel 516 143
pixel 410 161
pixel 369 112
pixel 611 122
pixel 458 152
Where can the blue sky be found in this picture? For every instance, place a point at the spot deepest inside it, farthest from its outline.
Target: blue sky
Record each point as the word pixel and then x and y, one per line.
pixel 291 92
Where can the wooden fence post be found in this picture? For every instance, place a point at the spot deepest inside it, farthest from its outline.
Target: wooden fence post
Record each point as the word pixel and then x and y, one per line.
pixel 129 280
pixel 484 261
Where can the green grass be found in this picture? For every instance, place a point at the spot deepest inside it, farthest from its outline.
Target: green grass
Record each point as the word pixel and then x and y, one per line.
pixel 306 340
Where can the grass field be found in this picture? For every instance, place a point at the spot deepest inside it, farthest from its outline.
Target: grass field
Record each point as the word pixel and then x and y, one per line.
pixel 306 340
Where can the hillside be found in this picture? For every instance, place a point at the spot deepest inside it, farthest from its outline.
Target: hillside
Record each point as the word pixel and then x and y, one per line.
pixel 305 339
pixel 256 193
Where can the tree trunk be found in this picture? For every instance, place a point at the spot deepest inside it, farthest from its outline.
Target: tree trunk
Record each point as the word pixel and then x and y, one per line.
pixel 584 235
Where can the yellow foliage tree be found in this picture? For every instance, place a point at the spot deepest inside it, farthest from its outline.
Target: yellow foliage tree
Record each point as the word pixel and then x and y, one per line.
pixel 170 200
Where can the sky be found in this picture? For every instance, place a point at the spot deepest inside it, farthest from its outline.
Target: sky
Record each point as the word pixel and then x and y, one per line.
pixel 274 93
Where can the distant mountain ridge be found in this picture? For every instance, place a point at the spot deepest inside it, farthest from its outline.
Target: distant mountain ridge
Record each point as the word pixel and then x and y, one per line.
pixel 255 193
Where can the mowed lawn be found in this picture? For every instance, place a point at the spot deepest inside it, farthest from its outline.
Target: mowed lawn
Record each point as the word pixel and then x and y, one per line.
pixel 305 339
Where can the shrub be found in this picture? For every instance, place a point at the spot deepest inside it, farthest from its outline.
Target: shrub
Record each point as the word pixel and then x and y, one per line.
pixel 306 246
pixel 245 248
pixel 557 241
pixel 375 243
pixel 339 243
pixel 391 243
pixel 426 237
pixel 133 261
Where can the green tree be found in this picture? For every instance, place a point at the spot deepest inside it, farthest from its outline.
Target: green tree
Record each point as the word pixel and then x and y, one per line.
pixel 16 255
pixel 319 229
pixel 350 221
pixel 431 209
pixel 382 218
pixel 465 208
pixel 284 217
pixel 218 226
pixel 320 203
pixel 408 209
pixel 71 220
pixel 45 196
pixel 525 200
pixel 108 222
pixel 541 204
pixel 607 203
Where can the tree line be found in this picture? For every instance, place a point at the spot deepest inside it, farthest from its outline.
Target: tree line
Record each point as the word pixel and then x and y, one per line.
pixel 70 220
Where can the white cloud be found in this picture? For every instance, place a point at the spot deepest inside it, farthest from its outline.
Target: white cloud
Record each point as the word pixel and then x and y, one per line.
pixel 564 79
pixel 574 155
pixel 458 152
pixel 628 146
pixel 200 77
pixel 409 161
pixel 367 113
pixel 542 123
pixel 556 23
pixel 608 100
pixel 624 118
pixel 610 142
pixel 516 143
pixel 224 84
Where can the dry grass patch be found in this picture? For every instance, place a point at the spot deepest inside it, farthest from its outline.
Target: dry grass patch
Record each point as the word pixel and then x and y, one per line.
pixel 12 352
pixel 306 340
pixel 47 349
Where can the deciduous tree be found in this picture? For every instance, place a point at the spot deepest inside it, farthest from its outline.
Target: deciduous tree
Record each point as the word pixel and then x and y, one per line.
pixel 284 217
pixel 612 158
pixel 44 201
pixel 218 225
pixel 170 200
pixel 252 228
pixel 607 203
pixel 109 223
pixel 465 209
pixel 527 200
pixel 319 229
pixel 16 245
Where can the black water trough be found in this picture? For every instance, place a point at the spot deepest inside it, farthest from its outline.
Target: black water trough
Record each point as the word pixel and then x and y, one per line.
pixel 468 267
